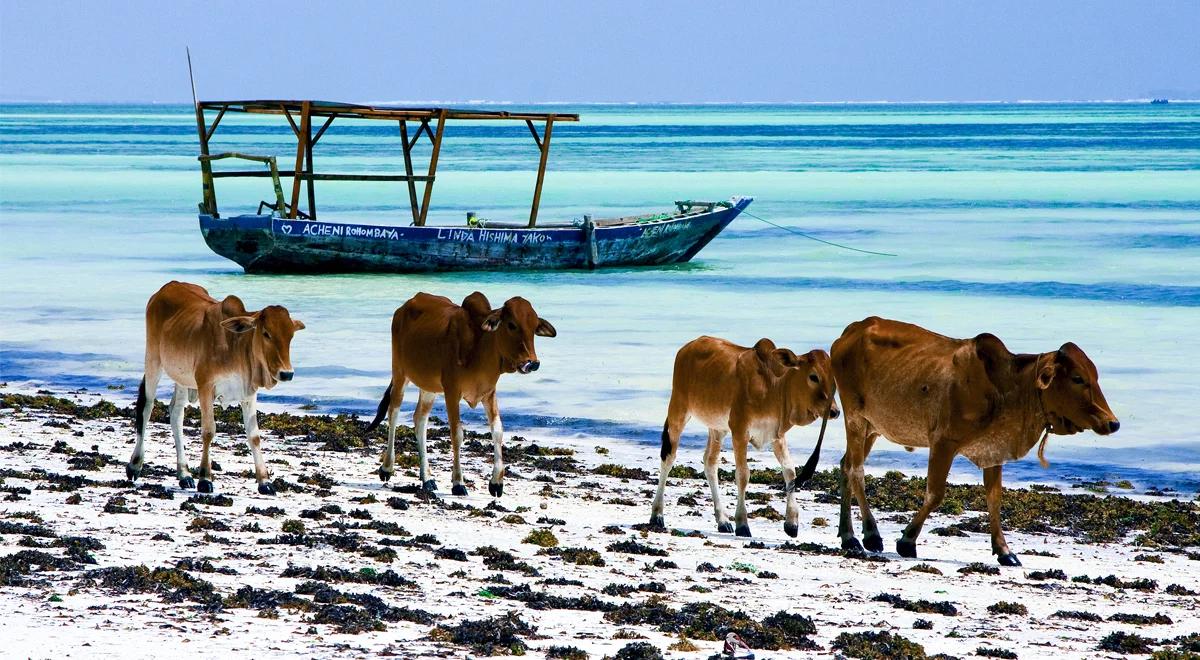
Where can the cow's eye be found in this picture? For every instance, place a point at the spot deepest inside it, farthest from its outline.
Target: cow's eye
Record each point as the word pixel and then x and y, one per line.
pixel 813 378
pixel 266 335
pixel 1078 380
pixel 512 326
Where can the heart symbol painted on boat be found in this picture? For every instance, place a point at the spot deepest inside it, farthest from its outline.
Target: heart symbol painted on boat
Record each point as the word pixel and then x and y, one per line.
pixel 287 229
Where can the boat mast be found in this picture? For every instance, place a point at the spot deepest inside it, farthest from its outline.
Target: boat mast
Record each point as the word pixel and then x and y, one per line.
pixel 543 144
pixel 206 178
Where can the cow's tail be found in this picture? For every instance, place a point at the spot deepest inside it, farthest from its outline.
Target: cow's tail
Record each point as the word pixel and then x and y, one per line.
pixel 384 404
pixel 666 443
pixel 810 467
pixel 139 408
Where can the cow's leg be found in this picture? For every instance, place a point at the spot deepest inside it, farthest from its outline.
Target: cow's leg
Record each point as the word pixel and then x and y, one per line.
pixel 852 460
pixel 993 489
pixel 208 430
pixel 178 406
pixel 712 453
pixel 387 464
pixel 741 440
pixel 453 401
pixel 858 486
pixel 254 439
pixel 672 428
pixel 143 408
pixel 791 519
pixel 941 455
pixel 420 423
pixel 492 408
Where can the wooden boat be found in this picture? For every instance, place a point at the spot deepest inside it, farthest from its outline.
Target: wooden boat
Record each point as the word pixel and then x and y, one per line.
pixel 281 237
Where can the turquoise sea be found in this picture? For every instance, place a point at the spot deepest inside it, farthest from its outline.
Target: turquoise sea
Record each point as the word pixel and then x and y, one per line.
pixel 1041 223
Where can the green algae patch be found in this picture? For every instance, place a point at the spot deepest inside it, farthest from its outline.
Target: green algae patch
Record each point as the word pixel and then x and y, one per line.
pixel 878 646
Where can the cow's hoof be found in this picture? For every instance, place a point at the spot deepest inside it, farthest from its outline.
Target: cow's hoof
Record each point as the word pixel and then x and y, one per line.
pixel 1009 559
pixel 132 473
pixel 266 488
pixel 657 521
pixel 456 489
pixel 850 543
pixel 725 527
pixel 430 486
pixel 906 548
pixel 791 529
pixel 496 490
pixel 385 474
pixel 205 486
pixel 187 483
pixel 743 530
pixel 873 542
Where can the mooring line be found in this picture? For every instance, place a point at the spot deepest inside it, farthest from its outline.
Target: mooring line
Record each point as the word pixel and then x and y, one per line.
pixel 819 240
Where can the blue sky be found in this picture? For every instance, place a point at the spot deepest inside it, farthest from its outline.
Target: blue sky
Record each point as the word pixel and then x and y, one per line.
pixel 600 51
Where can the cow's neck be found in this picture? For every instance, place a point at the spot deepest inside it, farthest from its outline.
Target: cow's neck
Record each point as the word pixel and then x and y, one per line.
pixel 486 356
pixel 1023 402
pixel 254 371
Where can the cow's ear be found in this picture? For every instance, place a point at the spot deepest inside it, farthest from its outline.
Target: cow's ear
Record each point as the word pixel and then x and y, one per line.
pixel 788 358
pixel 297 325
pixel 492 321
pixel 544 329
pixel 239 324
pixel 1047 366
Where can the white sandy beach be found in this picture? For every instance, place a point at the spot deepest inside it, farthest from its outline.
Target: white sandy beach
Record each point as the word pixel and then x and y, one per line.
pixel 54 616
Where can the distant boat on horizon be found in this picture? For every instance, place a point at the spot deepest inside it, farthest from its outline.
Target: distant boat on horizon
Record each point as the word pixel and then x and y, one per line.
pixel 1159 102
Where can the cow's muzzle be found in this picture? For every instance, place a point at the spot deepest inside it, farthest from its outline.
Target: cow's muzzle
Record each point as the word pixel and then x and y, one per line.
pixel 1108 428
pixel 286 375
pixel 529 366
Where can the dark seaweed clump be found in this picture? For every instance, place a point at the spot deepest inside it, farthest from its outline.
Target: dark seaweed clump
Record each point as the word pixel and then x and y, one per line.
pixel 566 653
pixel 1127 643
pixel 1158 619
pixel 1052 574
pixel 980 568
pixel 348 619
pixel 580 556
pixel 15 568
pixel 1139 584
pixel 172 584
pixel 501 560
pixel 922 606
pixel 500 635
pixel 621 471
pixel 541 600
pixel 881 645
pixel 375 606
pixel 707 621
pixel 388 578
pixel 1077 615
pixel 1007 607
pixel 626 589
pixel 987 652
pixel 633 547
pixel 639 651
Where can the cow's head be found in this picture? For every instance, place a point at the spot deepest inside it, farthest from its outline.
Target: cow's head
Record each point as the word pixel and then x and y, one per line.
pixel 271 341
pixel 1071 396
pixel 809 385
pixel 514 326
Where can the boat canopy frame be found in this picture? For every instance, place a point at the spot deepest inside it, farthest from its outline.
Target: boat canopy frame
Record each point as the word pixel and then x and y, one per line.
pixel 430 122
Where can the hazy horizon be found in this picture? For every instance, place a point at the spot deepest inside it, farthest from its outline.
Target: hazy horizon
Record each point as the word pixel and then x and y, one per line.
pixel 613 53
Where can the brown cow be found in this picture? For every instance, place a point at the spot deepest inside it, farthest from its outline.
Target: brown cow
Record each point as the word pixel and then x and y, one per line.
pixel 758 394
pixel 213 350
pixel 460 352
pixel 956 396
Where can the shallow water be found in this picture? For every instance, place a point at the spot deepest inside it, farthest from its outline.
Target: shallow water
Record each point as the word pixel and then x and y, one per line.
pixel 1039 223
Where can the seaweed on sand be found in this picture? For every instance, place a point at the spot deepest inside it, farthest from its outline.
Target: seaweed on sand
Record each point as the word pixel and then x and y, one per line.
pixel 501 560
pixel 1077 615
pixel 499 635
pixel 707 621
pixel 348 619
pixel 388 578
pixel 922 606
pixel 639 651
pixel 881 645
pixel 541 600
pixel 1008 607
pixel 262 599
pixel 1126 643
pixel 580 556
pixel 15 568
pixel 633 547
pixel 172 584
pixel 323 593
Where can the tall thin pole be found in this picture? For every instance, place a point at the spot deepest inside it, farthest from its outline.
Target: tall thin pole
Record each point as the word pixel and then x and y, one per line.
pixel 433 159
pixel 537 189
pixel 206 178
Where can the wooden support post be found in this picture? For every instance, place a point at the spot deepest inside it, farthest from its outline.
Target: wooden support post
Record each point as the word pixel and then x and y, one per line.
pixel 433 159
pixel 206 177
pixel 308 168
pixel 301 153
pixel 541 175
pixel 408 170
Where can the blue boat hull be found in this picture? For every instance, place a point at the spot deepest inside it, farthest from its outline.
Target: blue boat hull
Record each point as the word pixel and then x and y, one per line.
pixel 267 244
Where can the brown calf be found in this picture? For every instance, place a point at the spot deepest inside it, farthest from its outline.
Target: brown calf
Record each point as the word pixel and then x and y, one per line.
pixel 213 350
pixel 756 393
pixel 458 351
pixel 955 396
